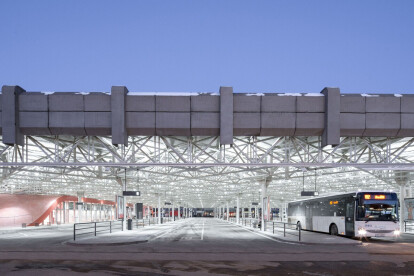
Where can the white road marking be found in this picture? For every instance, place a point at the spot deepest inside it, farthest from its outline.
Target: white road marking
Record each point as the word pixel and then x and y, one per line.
pixel 202 232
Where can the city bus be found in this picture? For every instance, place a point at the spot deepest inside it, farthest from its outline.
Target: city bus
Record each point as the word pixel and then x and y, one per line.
pixel 357 214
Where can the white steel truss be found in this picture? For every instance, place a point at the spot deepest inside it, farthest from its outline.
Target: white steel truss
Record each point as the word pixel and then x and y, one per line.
pixel 198 170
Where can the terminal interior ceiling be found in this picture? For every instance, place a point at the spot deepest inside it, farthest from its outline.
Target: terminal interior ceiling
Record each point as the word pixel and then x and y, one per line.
pixel 198 172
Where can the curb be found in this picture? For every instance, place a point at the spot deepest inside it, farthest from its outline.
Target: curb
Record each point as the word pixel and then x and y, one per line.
pixel 104 244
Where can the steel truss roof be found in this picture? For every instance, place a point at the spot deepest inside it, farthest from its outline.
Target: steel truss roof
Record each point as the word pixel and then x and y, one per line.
pixel 198 171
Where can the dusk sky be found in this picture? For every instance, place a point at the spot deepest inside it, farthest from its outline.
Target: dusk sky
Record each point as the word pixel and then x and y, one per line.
pixel 198 46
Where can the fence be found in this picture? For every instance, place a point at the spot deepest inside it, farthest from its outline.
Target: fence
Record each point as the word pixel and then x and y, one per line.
pixel 96 227
pixel 288 228
pixel 409 226
pixel 273 226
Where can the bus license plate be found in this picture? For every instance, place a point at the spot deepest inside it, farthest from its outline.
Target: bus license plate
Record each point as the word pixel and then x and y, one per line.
pixel 379 235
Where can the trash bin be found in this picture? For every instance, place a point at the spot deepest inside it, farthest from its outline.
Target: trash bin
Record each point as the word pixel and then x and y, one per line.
pixel 129 224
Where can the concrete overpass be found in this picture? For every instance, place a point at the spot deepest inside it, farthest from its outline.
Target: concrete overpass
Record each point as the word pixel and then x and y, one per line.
pixel 121 114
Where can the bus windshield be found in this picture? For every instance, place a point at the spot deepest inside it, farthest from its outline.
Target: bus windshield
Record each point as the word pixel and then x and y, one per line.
pixel 379 211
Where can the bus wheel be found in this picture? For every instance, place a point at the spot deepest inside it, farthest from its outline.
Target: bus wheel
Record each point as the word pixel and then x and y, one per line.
pixel 333 230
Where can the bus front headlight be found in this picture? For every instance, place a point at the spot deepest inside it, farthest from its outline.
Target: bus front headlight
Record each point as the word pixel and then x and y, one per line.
pixel 362 232
pixel 397 232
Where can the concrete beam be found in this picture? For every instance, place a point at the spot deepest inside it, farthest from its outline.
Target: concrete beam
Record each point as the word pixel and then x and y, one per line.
pixel 34 123
pixel 331 134
pixel 173 123
pixel 246 124
pixel 140 123
pixel 226 115
pixel 244 103
pixel 10 115
pixel 205 103
pixel 352 124
pixel 273 103
pixel 172 103
pixel 97 102
pixel 67 123
pixel 118 116
pixel 277 124
pixel 205 123
pixel 382 124
pixel 352 103
pixel 66 101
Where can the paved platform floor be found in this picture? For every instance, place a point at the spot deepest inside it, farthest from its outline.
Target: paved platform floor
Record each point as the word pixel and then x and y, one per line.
pixel 200 246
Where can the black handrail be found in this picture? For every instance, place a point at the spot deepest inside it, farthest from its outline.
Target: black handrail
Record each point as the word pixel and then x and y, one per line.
pixel 278 224
pixel 286 226
pixel 408 225
pixel 108 226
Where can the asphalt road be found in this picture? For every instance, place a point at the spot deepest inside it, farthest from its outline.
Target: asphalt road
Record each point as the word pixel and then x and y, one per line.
pixel 199 246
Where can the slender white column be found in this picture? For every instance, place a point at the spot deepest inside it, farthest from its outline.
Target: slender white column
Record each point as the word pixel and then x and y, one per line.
pixel 228 213
pixel 238 210
pixel 265 184
pixel 159 209
pixel 173 211
pixel 402 211
pixel 179 212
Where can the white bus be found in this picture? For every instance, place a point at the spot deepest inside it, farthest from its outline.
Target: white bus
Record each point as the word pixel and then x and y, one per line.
pixel 360 214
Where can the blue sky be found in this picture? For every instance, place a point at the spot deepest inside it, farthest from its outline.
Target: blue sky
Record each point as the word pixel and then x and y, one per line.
pixel 254 46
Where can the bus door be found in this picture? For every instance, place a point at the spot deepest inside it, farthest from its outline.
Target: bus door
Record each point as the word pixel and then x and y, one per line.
pixel 349 219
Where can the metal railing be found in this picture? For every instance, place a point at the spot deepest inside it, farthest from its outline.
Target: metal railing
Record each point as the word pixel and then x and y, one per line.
pixel 288 228
pixel 273 226
pixel 409 226
pixel 96 227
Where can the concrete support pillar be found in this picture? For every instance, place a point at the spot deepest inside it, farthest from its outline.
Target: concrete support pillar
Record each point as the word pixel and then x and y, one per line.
pixel 173 211
pixel 226 115
pixel 79 218
pixel 159 209
pixel 179 212
pixel 11 134
pixel 238 210
pixel 118 104
pixel 402 211
pixel 265 184
pixel 403 180
pixel 228 212
pixel 331 134
pixel 64 212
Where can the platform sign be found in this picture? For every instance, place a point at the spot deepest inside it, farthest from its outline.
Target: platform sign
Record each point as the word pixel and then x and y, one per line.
pixel 408 209
pixel 131 193
pixel 309 193
pixel 120 207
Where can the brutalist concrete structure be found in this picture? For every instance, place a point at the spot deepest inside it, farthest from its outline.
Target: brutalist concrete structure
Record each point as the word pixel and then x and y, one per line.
pixel 120 114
